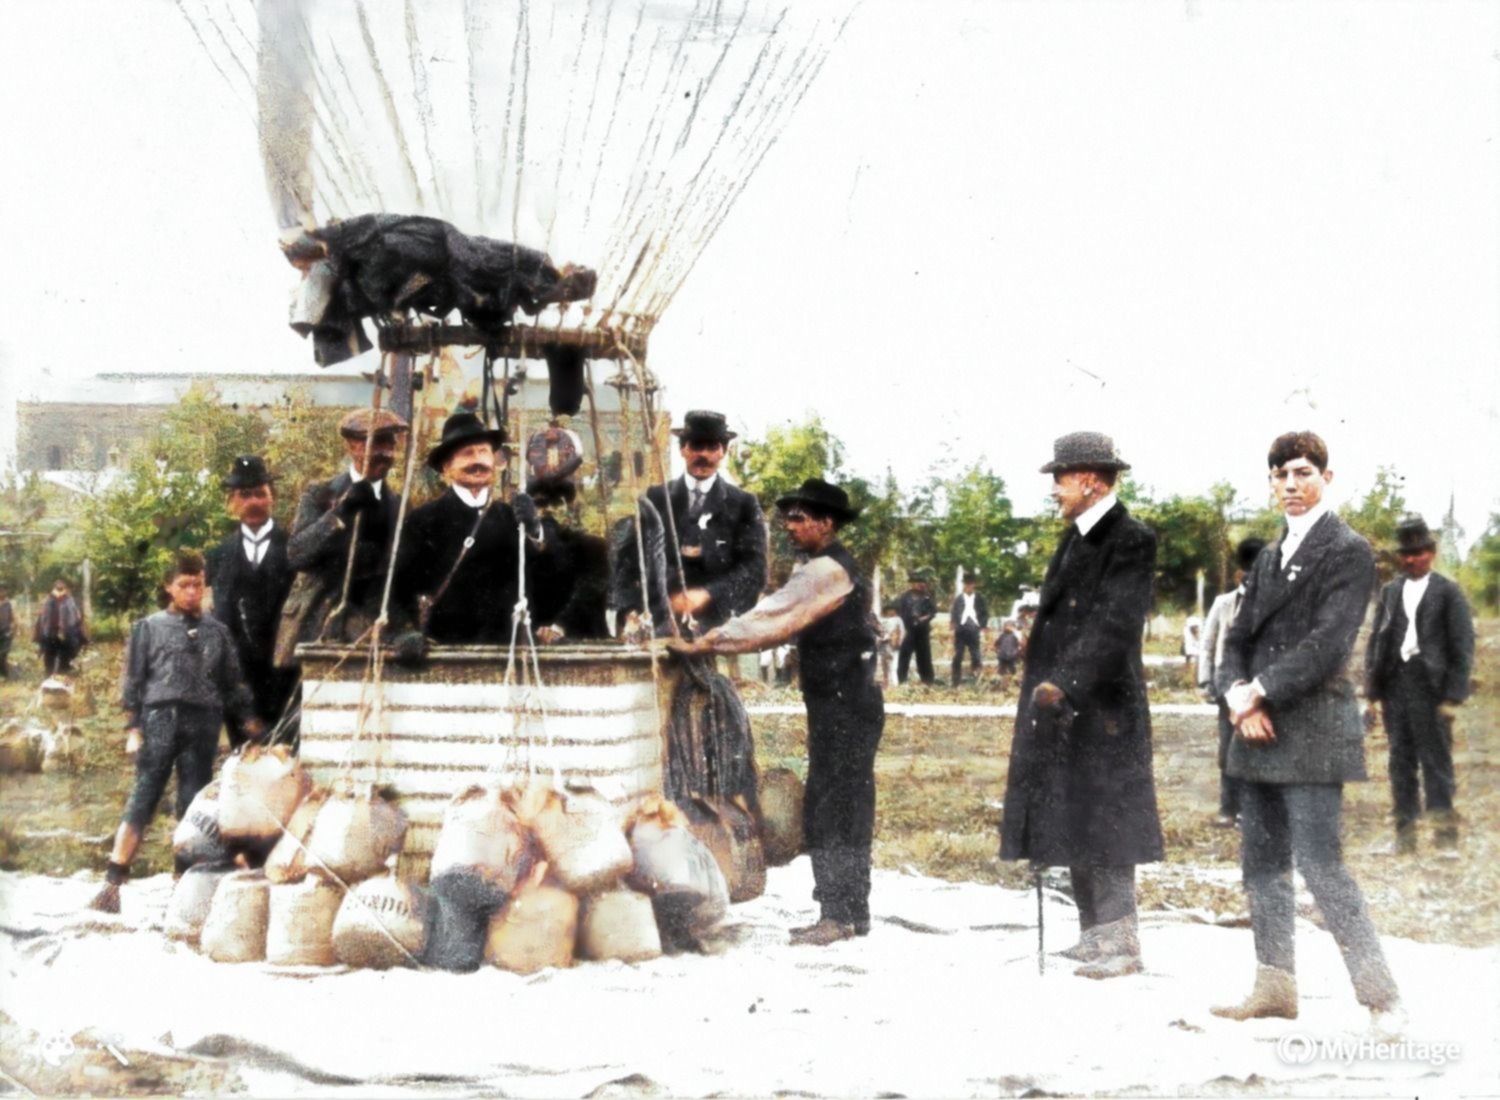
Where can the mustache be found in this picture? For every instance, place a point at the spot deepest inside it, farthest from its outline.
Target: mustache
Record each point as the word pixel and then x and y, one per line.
pixel 478 468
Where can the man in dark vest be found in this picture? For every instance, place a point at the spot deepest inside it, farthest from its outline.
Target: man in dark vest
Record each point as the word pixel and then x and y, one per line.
pixel 1417 667
pixel 250 578
pixel 826 606
pixel 720 531
pixel 1080 792
pixel 457 569
pixel 356 505
pixel 1298 736
pixel 969 618
pixel 917 611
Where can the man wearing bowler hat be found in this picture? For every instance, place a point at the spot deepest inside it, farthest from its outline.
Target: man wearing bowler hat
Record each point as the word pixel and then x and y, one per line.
pixel 720 531
pixel 917 610
pixel 1417 666
pixel 250 578
pixel 826 606
pixel 1080 791
pixel 357 507
pixel 456 571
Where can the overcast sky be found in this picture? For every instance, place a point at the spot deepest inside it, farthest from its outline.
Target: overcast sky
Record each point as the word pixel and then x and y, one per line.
pixel 1192 225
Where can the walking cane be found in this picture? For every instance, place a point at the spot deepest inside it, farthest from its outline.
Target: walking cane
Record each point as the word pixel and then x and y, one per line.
pixel 1041 939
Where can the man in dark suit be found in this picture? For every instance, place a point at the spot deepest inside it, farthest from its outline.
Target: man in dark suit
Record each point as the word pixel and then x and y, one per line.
pixel 356 506
pixel 570 588
pixel 969 618
pixel 1298 736
pixel 1417 667
pixel 250 578
pixel 457 568
pixel 917 612
pixel 721 533
pixel 1080 791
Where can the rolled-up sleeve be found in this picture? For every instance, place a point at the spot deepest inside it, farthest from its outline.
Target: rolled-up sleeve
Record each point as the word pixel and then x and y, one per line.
pixel 813 590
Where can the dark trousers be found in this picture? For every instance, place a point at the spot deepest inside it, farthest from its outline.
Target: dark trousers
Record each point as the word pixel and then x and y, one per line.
pixel 271 688
pixel 1229 787
pixel 838 814
pixel 1103 894
pixel 5 657
pixel 918 640
pixel 1420 738
pixel 965 638
pixel 173 734
pixel 1300 823
pixel 57 655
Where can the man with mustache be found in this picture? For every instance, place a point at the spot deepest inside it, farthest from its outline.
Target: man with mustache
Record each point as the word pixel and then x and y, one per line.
pixel 720 531
pixel 356 505
pixel 456 570
pixel 250 578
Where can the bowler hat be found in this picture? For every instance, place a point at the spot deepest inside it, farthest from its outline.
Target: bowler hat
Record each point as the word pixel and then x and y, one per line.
pixel 702 425
pixel 356 424
pixel 247 472
pixel 1084 451
pixel 1412 535
pixel 821 497
pixel 459 430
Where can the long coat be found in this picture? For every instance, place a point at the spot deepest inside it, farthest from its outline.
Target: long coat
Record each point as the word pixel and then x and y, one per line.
pixel 248 600
pixel 476 607
pixel 1445 636
pixel 724 550
pixel 1080 789
pixel 318 551
pixel 1294 633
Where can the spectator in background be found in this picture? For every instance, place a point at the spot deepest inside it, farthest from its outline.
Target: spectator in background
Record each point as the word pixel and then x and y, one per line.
pixel 1192 640
pixel 1008 649
pixel 968 617
pixel 60 632
pixel 1210 656
pixel 7 632
pixel 892 634
pixel 917 612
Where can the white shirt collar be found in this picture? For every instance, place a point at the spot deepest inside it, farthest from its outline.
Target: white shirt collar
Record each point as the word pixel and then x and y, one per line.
pixel 1412 590
pixel 256 536
pixel 473 500
pixel 355 475
pixel 704 486
pixel 1095 513
pixel 1298 526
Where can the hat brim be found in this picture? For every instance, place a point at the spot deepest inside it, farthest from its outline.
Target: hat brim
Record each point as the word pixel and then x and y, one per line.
pixel 439 454
pixel 704 437
pixel 843 515
pixel 239 483
pixel 1055 467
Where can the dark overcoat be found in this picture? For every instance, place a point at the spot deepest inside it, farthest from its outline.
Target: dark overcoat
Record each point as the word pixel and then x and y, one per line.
pixel 724 550
pixel 1294 633
pixel 1445 636
pixel 1080 789
pixel 569 585
pixel 318 553
pixel 248 600
pixel 476 607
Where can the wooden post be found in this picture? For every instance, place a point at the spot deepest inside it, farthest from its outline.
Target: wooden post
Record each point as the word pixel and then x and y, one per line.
pixel 88 592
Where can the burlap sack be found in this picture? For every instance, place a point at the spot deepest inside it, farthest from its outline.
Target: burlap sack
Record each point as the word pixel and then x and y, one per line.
pixel 235 930
pixel 581 835
pixel 197 838
pixel 288 860
pixel 382 923
pixel 259 789
pixel 481 835
pixel 192 898
pixel 679 873
pixel 356 832
pixel 618 924
pixel 536 929
pixel 300 929
pixel 781 797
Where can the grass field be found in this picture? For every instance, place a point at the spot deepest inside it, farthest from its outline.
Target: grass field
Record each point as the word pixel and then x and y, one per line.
pixel 940 784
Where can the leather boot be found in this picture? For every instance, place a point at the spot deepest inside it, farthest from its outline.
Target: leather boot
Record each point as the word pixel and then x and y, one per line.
pixel 1445 830
pixel 107 900
pixel 1085 950
pixel 1119 951
pixel 1406 839
pixel 823 933
pixel 1275 994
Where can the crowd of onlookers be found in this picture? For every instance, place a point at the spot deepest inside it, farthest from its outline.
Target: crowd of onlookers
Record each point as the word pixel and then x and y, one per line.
pixel 59 631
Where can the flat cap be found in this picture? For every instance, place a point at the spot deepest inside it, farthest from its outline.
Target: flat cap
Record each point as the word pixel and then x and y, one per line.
pixel 356 424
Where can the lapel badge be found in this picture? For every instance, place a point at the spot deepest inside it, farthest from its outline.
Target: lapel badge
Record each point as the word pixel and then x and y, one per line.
pixel 703 520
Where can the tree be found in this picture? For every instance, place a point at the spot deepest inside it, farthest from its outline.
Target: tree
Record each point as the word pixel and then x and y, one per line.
pixel 1481 571
pixel 1380 509
pixel 965 521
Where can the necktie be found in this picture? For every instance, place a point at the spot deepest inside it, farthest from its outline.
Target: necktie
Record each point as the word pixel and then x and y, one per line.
pixel 255 547
pixel 695 507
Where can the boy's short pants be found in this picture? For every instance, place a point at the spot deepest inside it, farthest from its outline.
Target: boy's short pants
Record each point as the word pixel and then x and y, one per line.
pixel 173 733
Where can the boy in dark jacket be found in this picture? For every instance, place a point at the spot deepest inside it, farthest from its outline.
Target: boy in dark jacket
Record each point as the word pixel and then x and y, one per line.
pixel 181 677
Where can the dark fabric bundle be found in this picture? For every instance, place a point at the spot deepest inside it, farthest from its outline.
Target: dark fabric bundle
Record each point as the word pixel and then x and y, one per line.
pixel 379 263
pixel 709 746
pixel 625 569
pixel 461 904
